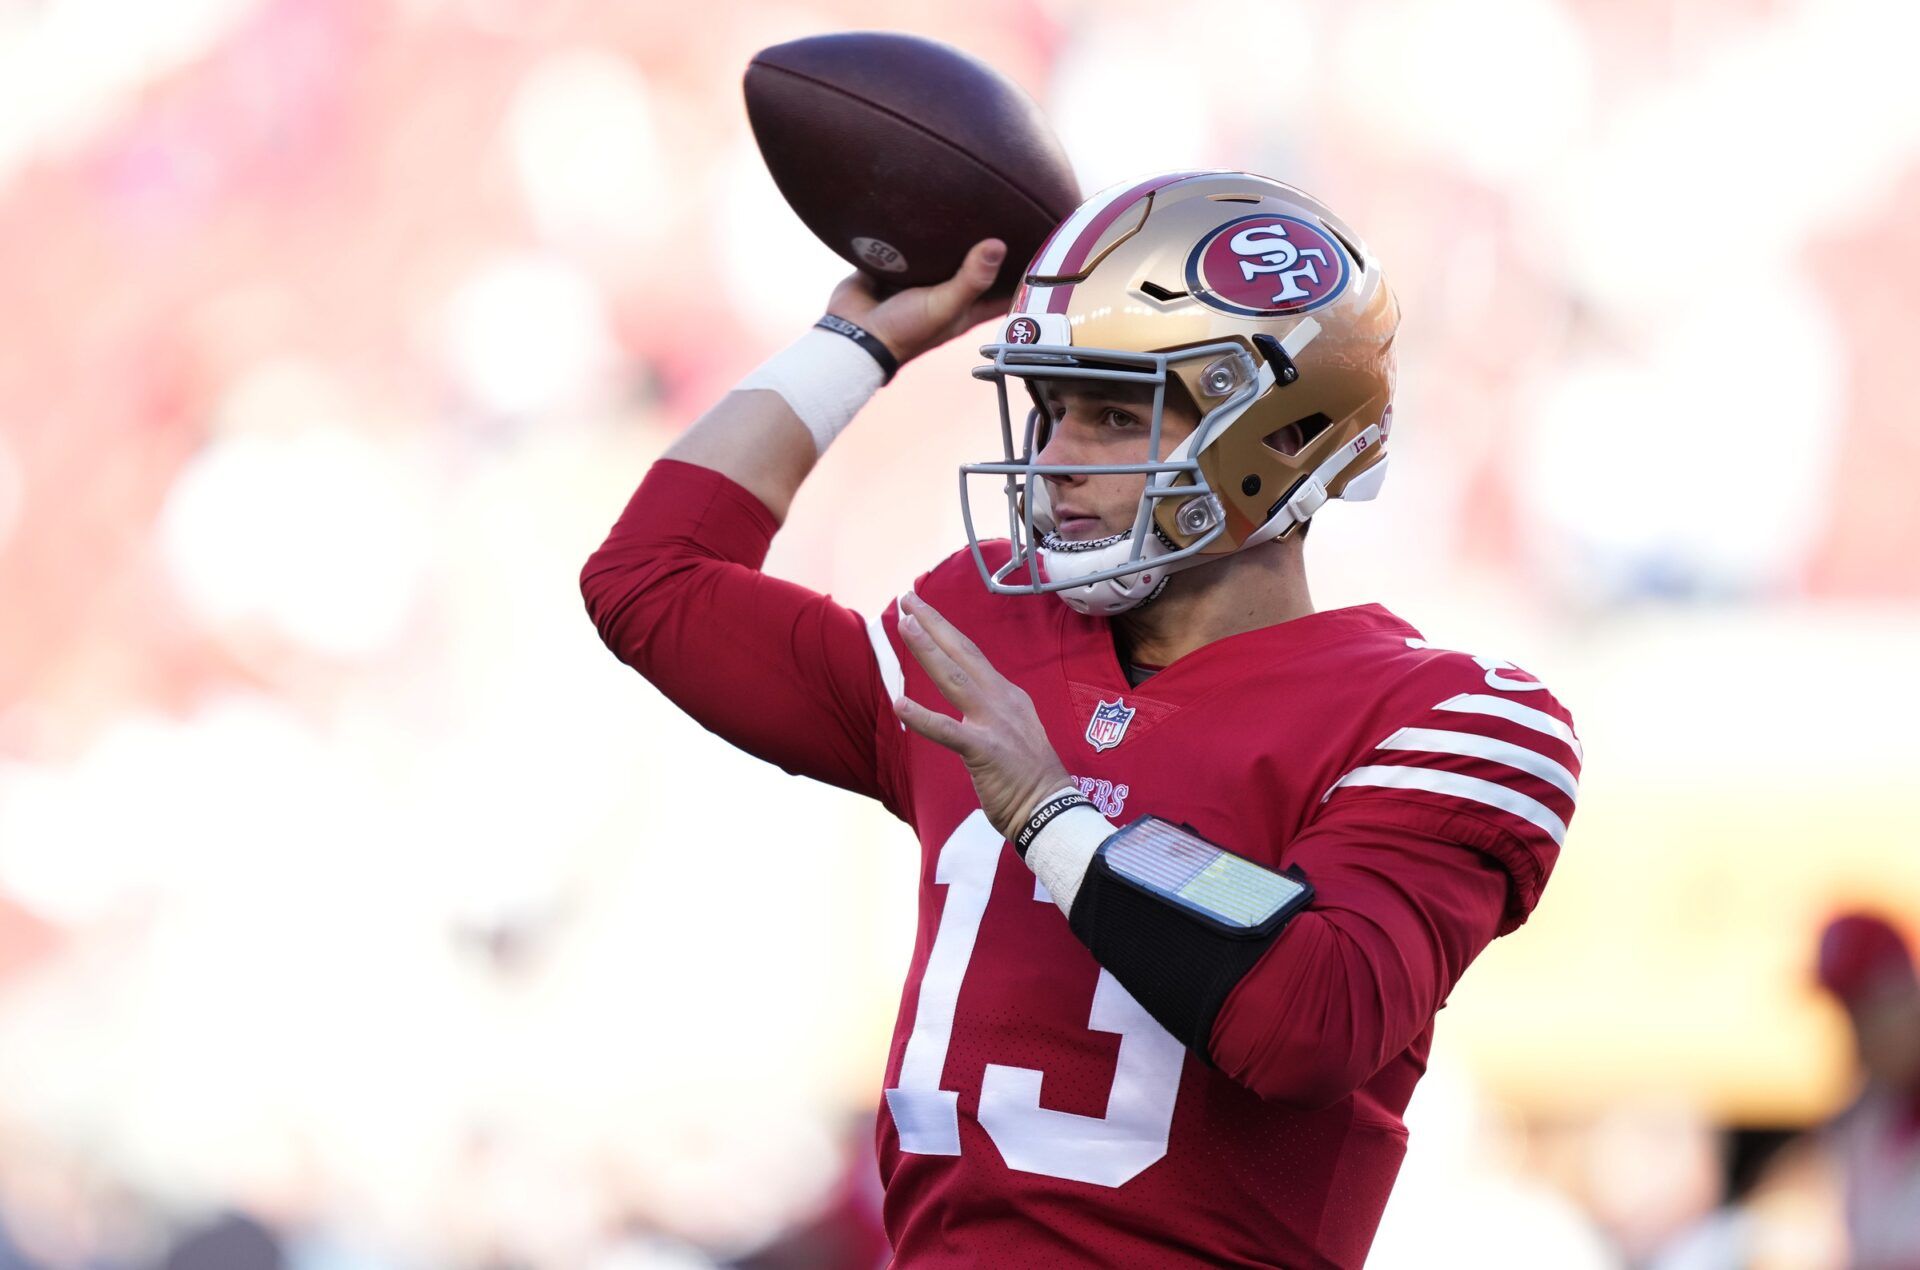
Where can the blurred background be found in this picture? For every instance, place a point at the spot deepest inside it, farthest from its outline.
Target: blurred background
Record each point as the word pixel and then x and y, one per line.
pixel 343 872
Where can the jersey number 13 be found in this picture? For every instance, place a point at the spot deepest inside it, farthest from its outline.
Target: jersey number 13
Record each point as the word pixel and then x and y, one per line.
pixel 1105 1150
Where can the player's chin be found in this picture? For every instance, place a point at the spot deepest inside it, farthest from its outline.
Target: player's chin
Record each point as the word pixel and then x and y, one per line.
pixel 1082 529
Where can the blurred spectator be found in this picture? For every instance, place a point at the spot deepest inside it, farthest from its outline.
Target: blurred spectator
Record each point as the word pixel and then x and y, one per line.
pixel 1781 1210
pixel 232 1241
pixel 1866 964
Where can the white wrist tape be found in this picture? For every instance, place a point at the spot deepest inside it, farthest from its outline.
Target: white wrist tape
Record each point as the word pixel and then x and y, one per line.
pixel 824 377
pixel 1060 852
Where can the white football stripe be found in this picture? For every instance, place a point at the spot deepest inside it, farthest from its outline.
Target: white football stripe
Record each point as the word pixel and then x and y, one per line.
pixel 1077 223
pixel 890 673
pixel 1063 240
pixel 1468 787
pixel 1473 745
pixel 1514 712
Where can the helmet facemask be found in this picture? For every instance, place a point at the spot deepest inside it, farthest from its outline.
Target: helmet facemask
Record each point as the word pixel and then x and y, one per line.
pixel 1121 571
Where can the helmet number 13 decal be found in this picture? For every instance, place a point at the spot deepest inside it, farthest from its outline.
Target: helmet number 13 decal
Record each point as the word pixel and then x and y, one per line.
pixel 1104 1150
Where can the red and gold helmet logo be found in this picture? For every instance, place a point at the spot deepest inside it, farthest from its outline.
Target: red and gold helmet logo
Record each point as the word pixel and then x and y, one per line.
pixel 1267 266
pixel 1023 330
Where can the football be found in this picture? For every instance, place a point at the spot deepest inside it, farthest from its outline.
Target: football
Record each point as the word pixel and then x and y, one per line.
pixel 900 153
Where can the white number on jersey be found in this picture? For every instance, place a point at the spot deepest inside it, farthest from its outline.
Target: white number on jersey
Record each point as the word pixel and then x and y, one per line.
pixel 1104 1150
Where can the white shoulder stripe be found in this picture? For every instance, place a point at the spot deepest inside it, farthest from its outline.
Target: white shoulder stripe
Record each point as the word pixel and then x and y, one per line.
pixel 890 673
pixel 1473 745
pixel 1513 712
pixel 1467 787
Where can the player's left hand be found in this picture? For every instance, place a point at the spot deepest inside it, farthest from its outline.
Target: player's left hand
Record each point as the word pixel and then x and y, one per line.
pixel 998 735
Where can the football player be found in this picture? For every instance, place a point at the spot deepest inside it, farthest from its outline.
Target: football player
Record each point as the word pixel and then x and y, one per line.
pixel 1199 862
pixel 1865 963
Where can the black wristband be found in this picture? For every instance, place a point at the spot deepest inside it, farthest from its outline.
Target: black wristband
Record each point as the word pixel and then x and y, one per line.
pixel 889 364
pixel 1042 816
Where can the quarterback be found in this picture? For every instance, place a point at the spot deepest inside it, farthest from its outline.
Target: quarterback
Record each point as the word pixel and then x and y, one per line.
pixel 1199 863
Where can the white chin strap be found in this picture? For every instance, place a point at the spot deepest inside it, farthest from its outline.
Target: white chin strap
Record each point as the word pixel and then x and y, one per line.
pixel 1109 595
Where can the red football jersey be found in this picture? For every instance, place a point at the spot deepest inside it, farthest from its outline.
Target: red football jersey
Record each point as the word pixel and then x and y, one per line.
pixel 1032 1110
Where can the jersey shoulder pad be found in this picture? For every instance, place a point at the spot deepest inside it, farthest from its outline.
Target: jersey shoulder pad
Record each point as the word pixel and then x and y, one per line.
pixel 1475 738
pixel 957 579
pixel 954 588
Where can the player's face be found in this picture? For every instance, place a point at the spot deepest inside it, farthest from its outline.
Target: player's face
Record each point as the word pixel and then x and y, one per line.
pixel 1092 423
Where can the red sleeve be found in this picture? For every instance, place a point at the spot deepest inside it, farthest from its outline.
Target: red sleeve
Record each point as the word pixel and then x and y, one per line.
pixel 781 672
pixel 1406 895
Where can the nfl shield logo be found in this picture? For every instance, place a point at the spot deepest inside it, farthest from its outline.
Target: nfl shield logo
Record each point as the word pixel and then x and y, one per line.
pixel 1109 725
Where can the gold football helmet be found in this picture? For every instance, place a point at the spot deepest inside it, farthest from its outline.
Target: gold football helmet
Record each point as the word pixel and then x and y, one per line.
pixel 1251 298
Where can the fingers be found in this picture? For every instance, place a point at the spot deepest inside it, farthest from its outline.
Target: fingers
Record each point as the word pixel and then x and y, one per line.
pixel 957 294
pixel 946 636
pixel 948 675
pixel 912 321
pixel 982 265
pixel 939 728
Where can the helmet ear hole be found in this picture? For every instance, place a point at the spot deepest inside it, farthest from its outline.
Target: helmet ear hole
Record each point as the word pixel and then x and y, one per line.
pixel 1298 435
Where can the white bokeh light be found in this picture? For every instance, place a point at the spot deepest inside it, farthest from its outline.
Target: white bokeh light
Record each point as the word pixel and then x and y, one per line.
pixel 13 492
pixel 1460 1201
pixel 71 66
pixel 1110 122
pixel 585 145
pixel 529 333
pixel 1726 169
pixel 1702 459
pixel 1443 78
pixel 160 806
pixel 778 275
pixel 297 522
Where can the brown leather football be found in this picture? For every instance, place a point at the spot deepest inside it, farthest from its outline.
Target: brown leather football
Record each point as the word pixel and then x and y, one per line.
pixel 900 153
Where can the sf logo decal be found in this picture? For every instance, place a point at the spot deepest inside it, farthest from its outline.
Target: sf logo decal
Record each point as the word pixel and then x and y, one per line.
pixel 1267 249
pixel 1267 266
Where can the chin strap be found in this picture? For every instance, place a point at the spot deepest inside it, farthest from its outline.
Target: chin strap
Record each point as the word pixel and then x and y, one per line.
pixel 1109 595
pixel 1310 494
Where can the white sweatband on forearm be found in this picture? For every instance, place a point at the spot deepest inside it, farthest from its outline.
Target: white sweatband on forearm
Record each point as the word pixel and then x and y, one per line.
pixel 1060 853
pixel 824 377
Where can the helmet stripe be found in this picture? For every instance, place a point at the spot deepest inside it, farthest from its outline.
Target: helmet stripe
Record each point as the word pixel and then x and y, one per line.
pixel 1067 250
pixel 1083 245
